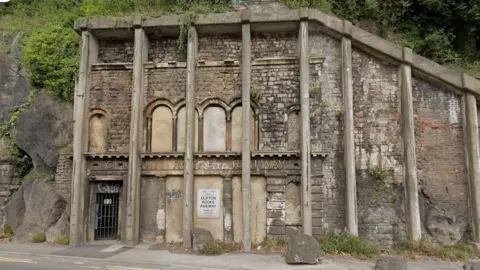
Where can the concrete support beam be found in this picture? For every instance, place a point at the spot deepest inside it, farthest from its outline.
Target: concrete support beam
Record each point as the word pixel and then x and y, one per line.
pixel 305 129
pixel 349 140
pixel 246 154
pixel 133 185
pixel 473 156
pixel 412 210
pixel 189 138
pixel 88 56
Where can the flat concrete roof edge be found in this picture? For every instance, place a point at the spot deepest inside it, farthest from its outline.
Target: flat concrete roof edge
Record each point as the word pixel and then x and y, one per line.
pixel 359 37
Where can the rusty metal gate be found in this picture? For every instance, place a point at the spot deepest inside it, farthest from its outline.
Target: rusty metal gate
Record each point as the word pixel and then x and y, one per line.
pixel 106 223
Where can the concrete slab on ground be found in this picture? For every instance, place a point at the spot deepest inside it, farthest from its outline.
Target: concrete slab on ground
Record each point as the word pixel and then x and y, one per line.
pixel 92 251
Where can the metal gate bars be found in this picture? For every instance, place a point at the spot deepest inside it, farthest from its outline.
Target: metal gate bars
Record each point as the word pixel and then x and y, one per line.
pixel 106 215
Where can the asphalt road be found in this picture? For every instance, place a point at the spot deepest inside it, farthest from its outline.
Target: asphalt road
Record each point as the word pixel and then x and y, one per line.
pixel 30 262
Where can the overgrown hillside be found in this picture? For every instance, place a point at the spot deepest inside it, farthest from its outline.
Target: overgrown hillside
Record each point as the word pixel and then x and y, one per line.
pixel 446 31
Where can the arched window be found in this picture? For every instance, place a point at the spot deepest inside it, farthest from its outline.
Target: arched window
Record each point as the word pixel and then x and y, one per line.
pixel 162 130
pixel 97 133
pixel 181 118
pixel 237 127
pixel 215 129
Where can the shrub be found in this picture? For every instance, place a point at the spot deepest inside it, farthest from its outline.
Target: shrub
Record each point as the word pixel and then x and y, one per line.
pixel 425 247
pixel 38 238
pixel 52 58
pixel 213 248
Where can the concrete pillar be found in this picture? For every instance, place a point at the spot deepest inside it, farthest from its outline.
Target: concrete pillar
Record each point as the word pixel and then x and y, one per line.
pixel 348 132
pixel 414 227
pixel 189 138
pixel 228 209
pixel 411 187
pixel 88 56
pixel 473 157
pixel 133 185
pixel 246 154
pixel 305 124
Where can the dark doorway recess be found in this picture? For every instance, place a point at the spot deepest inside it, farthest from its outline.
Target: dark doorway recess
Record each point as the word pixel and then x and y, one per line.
pixel 106 216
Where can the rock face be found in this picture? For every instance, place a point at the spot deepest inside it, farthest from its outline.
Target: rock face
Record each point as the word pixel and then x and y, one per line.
pixel 200 237
pixel 43 129
pixel 471 266
pixel 444 227
pixel 36 208
pixel 390 263
pixel 303 249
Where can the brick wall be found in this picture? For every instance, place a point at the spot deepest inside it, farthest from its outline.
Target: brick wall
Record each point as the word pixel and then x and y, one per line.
pixel 439 147
pixel 326 134
pixel 114 51
pixel 378 145
pixel 274 45
pixel 219 82
pixel 111 90
pixel 168 83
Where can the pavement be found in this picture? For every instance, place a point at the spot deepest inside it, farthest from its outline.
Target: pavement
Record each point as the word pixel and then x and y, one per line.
pixel 114 256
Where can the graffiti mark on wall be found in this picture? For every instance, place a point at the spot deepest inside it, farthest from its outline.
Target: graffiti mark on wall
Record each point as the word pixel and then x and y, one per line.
pixel 174 195
pixel 109 188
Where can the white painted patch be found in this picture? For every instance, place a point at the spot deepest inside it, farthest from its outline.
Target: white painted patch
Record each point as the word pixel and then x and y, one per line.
pixel 112 248
pixel 228 222
pixel 453 110
pixel 161 219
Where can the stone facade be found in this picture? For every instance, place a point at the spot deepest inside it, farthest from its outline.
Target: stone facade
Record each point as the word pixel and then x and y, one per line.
pixel 276 177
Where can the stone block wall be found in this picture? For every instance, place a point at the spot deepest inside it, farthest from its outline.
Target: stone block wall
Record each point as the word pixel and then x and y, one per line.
pixel 63 176
pixel 379 148
pixel 115 51
pixel 111 91
pixel 326 127
pixel 442 175
pixel 164 50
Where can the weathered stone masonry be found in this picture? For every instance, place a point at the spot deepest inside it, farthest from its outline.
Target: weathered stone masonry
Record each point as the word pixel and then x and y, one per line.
pixel 384 151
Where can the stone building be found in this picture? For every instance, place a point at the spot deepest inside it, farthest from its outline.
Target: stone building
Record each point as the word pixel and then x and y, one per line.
pixel 268 123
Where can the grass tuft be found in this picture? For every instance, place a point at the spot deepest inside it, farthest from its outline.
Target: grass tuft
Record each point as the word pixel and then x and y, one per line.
pixel 274 243
pixel 338 243
pixel 38 238
pixel 425 247
pixel 62 240
pixel 213 248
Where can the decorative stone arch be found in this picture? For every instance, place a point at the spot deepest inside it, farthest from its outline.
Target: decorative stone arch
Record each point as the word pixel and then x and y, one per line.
pixel 292 123
pixel 97 131
pixel 237 102
pixel 214 102
pixel 150 108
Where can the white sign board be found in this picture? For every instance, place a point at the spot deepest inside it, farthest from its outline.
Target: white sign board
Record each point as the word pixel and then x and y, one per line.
pixel 208 203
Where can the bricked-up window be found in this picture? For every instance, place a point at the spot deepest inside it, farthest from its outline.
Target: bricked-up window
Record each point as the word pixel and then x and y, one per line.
pixel 97 134
pixel 293 131
pixel 237 127
pixel 181 130
pixel 162 130
pixel 214 129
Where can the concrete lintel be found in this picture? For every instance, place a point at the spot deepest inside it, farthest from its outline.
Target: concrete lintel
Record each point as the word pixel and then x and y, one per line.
pixel 111 23
pixel 347 28
pixel 375 42
pixel 137 21
pixel 436 70
pixel 80 25
pixel 280 16
pixel 407 55
pixel 303 13
pixel 470 83
pixel 246 16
